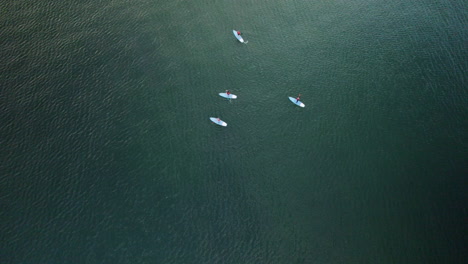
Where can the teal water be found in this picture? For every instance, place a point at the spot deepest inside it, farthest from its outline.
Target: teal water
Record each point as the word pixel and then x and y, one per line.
pixel 108 155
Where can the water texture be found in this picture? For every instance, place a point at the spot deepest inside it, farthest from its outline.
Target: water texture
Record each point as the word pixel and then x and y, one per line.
pixel 108 154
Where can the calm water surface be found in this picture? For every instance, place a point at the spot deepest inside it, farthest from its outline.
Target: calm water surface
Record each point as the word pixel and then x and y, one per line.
pixel 108 155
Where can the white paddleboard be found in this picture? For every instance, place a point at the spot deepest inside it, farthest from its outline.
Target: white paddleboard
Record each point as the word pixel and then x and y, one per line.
pixel 298 103
pixel 230 96
pixel 238 36
pixel 218 121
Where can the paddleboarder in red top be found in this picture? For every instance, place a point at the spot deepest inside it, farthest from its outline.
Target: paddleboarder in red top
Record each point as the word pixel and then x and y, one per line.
pixel 228 92
pixel 298 98
pixel 238 33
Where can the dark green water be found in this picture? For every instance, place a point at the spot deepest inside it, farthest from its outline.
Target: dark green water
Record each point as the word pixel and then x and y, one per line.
pixel 108 155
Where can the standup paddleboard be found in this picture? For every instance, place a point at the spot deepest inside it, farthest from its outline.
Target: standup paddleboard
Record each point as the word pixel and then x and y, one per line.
pixel 238 36
pixel 298 103
pixel 218 121
pixel 230 96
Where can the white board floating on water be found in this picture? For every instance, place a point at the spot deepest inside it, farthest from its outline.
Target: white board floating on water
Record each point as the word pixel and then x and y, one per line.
pixel 230 96
pixel 218 121
pixel 241 40
pixel 294 101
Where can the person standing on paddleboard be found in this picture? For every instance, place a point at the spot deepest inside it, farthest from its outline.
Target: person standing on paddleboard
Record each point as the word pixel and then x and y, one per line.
pixel 238 33
pixel 298 98
pixel 228 92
